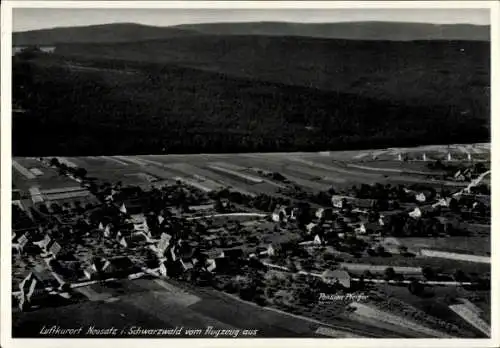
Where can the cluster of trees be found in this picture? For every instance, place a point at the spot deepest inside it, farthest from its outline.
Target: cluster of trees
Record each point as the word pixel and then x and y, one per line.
pixel 20 220
pixel 393 304
pixel 64 169
pixel 388 192
pixel 402 225
pixel 183 110
pixel 261 201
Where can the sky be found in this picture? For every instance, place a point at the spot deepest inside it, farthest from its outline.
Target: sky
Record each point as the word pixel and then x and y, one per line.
pixel 40 18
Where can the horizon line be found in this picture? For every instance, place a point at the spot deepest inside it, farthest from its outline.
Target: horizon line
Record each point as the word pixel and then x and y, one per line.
pixel 247 22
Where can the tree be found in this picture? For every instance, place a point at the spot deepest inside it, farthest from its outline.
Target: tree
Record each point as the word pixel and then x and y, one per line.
pixel 454 206
pixel 81 172
pixel 54 162
pixel 389 273
pixel 218 206
pixel 380 250
pixel 428 273
pixel 460 276
pixel 416 288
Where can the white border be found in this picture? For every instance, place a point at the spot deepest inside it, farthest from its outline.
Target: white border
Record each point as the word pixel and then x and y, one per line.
pixel 6 30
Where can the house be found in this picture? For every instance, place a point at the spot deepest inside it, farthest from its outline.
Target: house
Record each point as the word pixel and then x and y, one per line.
pixel 140 224
pixel 311 228
pixel 44 243
pixel 318 240
pixel 19 244
pixel 337 277
pixel 443 202
pixel 95 269
pixel 54 248
pixel 281 214
pixel 270 250
pixel 416 213
pixel 361 229
pixel 211 265
pixel 107 231
pixel 381 221
pixel 391 245
pixel 160 219
pixel 186 265
pixel 420 197
pixel 36 195
pixel 339 201
pixel 164 242
pixel 134 239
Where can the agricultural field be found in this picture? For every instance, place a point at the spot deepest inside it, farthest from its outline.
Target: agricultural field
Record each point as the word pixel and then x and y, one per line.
pixel 159 304
pixel 465 245
pixel 246 172
pixel 436 263
pixel 46 177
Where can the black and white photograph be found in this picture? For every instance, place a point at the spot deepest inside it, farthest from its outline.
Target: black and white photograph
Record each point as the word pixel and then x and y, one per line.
pixel 243 172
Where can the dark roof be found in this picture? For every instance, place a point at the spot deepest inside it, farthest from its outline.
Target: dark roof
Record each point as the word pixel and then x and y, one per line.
pixel 122 263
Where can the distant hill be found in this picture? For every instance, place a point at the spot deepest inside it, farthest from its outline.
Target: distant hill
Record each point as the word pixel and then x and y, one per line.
pixel 119 32
pixel 394 31
pixel 130 32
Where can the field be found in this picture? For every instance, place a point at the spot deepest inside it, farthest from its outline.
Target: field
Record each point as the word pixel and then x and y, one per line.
pixel 466 245
pixel 246 172
pixel 50 178
pixel 435 305
pixel 157 304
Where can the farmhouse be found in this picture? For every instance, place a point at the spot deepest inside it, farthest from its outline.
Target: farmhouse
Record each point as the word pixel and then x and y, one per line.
pixel 337 277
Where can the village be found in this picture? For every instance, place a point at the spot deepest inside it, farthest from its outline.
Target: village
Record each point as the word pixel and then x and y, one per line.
pixel 284 251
